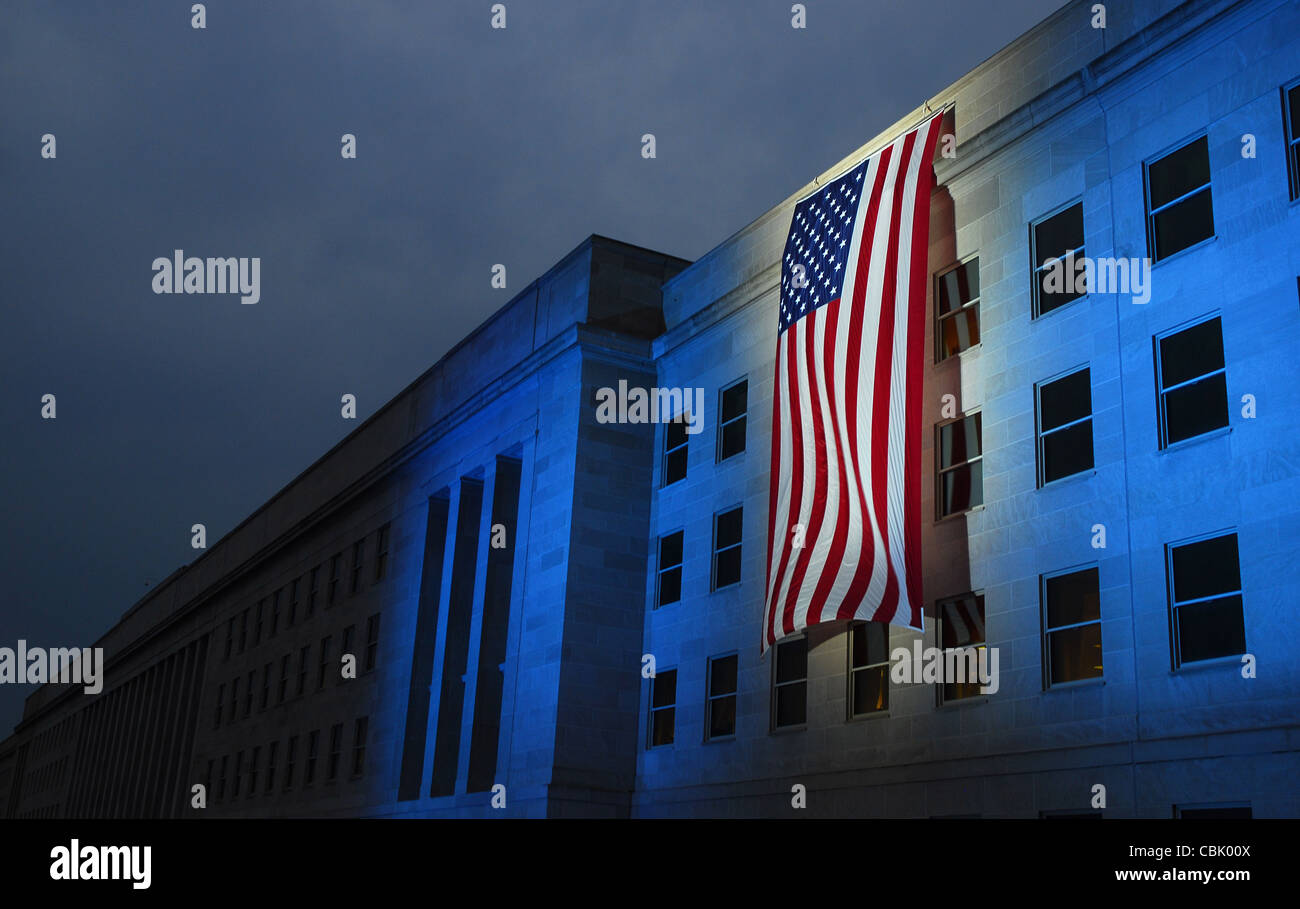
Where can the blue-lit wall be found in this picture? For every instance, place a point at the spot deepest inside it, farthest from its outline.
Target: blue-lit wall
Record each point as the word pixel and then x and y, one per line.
pixel 1067 113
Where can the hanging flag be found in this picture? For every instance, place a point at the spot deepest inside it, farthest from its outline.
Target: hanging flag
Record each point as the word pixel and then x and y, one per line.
pixel 844 516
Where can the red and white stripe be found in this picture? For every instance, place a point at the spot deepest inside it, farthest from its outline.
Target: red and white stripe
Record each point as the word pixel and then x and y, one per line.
pixel 846 433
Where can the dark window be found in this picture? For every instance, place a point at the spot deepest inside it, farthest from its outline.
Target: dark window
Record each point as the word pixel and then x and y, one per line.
pixel 675 439
pixel 254 759
pixel 960 469
pixel 284 677
pixel 721 719
pixel 257 624
pixel 336 566
pixel 221 705
pixel 234 698
pixel 1057 247
pixel 1291 118
pixel 670 569
pixel 868 668
pixel 1180 212
pixel 1214 813
pixel 275 612
pixel 1064 426
pixel 790 684
pixel 358 563
pixel 731 419
pixel 304 657
pixel 336 752
pixel 243 631
pixel 1191 382
pixel 726 547
pixel 266 686
pixel 230 637
pixel 293 601
pixel 239 772
pixel 957 309
pixel 324 660
pixel 1205 600
pixel 663 707
pixel 313 588
pixel 271 751
pixel 381 553
pixel 290 754
pixel 221 780
pixel 372 641
pixel 348 634
pixel 248 694
pixel 961 627
pixel 313 750
pixel 359 746
pixel 1071 627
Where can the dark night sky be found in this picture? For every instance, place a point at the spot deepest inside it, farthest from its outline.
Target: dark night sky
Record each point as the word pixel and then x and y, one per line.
pixel 475 146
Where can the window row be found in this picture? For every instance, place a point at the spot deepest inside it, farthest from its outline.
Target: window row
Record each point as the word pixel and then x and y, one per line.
pixel 1206 622
pixel 733 407
pixel 1179 205
pixel 305 591
pixel 725 571
pixel 1191 401
pixel 244 690
pixel 246 769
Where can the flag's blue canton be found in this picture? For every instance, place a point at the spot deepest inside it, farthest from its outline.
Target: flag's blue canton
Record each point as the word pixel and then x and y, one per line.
pixel 820 236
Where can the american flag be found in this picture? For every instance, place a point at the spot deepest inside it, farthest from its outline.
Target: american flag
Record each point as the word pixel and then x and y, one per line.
pixel 844 514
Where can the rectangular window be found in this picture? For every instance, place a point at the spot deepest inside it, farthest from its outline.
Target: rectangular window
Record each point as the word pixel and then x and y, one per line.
pixel 336 752
pixel 359 732
pixel 790 684
pixel 266 686
pixel 1064 411
pixel 293 602
pixel 957 309
pixel 1191 382
pixel 257 625
pixel 726 547
pixel 1071 627
pixel 358 562
pixel 304 657
pixel 313 750
pixel 1057 246
pixel 1205 605
pixel 254 759
pixel 731 419
pixel 868 668
pixel 243 631
pixel 221 780
pixel 720 722
pixel 1291 121
pixel 239 772
pixel 348 634
pixel 290 754
pixel 663 707
pixel 670 569
pixel 959 471
pixel 275 612
pixel 230 637
pixel 675 448
pixel 313 588
pixel 284 677
pixel 324 661
pixel 381 553
pixel 336 566
pixel 234 698
pixel 248 694
pixel 271 752
pixel 221 705
pixel 372 641
pixel 961 628
pixel 1180 211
